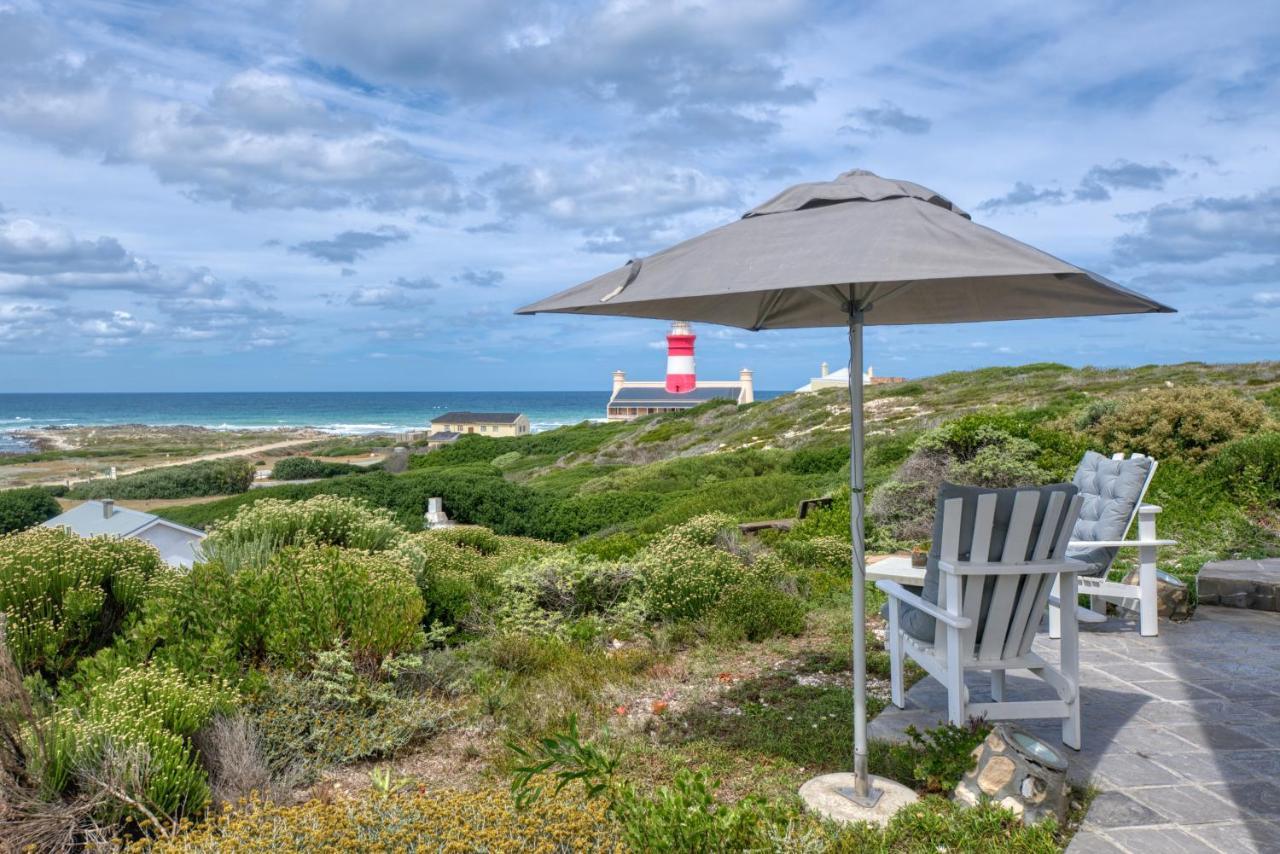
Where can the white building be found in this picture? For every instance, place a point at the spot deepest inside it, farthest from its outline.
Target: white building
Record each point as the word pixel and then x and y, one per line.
pixel 840 379
pixel 176 543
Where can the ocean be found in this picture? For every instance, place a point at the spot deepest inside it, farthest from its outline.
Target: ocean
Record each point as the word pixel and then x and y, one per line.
pixel 341 412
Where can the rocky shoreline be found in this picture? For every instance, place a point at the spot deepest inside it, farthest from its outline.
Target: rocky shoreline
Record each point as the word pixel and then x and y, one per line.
pixel 71 438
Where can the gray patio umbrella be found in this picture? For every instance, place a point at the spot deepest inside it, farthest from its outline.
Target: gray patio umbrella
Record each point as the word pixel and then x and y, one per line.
pixel 850 252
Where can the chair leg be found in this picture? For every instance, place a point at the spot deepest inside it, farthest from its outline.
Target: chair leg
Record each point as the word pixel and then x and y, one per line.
pixel 997 685
pixel 1055 613
pixel 896 693
pixel 1098 605
pixel 1070 663
pixel 955 679
pixel 1149 608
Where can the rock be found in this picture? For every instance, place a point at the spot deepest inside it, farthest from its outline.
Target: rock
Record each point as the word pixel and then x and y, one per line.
pixel 1240 584
pixel 1173 599
pixel 1019 772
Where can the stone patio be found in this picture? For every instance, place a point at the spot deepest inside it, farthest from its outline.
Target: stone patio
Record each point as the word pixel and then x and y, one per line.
pixel 1181 732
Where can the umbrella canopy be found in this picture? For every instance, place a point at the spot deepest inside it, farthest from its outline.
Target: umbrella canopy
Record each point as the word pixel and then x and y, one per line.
pixel 860 249
pixel 790 263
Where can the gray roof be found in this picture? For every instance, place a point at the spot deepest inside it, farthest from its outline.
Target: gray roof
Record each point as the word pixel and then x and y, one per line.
pixel 443 436
pixel 661 397
pixel 87 520
pixel 477 418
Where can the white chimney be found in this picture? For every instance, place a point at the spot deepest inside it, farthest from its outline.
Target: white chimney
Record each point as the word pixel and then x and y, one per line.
pixel 108 508
pixel 748 386
pixel 619 377
pixel 825 369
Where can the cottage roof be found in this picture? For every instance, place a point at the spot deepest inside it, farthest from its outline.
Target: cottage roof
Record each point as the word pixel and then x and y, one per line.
pixel 88 520
pixel 477 418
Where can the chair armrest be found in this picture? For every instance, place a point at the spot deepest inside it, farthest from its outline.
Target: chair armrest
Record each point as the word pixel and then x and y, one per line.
pixel 1117 544
pixel 1083 615
pixel 897 591
pixel 1150 508
pixel 1030 567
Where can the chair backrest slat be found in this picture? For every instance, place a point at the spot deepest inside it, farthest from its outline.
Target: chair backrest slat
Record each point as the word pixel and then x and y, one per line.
pixel 1069 524
pixel 1048 531
pixel 952 510
pixel 1003 599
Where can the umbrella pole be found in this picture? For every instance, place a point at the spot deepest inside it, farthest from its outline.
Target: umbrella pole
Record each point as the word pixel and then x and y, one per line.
pixel 863 792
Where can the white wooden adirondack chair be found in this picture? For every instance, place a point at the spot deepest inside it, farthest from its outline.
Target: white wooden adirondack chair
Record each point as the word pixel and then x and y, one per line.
pixel 1140 597
pixel 964 640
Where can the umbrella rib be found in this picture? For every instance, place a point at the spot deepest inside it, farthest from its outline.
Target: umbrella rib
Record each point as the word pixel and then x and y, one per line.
pixel 770 302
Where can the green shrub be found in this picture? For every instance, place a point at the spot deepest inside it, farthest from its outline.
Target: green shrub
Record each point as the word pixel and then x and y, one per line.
pixel 319 596
pixel 132 733
pixel 306 468
pixel 756 610
pixel 613 547
pixel 1249 468
pixel 944 754
pixel 818 460
pixel 66 597
pixel 1179 423
pixel 682 575
pixel 827 554
pixel 450 576
pixel 684 816
pixel 570 584
pixel 334 715
pixel 665 431
pixel 210 477
pixel 23 508
pixel 262 528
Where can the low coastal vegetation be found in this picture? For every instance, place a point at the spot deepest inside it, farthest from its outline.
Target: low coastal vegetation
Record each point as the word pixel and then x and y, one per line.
pixel 305 468
pixel 596 660
pixel 209 477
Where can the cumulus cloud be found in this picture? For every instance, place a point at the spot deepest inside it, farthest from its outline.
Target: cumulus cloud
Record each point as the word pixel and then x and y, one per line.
pixel 422 283
pixel 480 278
pixel 1204 228
pixel 1097 183
pixel 350 246
pixel 708 62
pixel 1022 195
pixel 874 121
pixel 257 142
pixel 29 248
pixel 616 202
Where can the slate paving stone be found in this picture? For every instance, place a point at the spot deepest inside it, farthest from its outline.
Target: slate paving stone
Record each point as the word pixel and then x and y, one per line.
pixel 1260 797
pixel 1263 764
pixel 1216 736
pixel 1088 842
pixel 1244 689
pixel 1174 689
pixel 1116 809
pixel 1123 771
pixel 1251 837
pixel 1160 840
pixel 1203 767
pixel 1185 805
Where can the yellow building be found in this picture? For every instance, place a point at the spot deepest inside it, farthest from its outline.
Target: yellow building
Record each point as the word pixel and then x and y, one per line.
pixel 452 425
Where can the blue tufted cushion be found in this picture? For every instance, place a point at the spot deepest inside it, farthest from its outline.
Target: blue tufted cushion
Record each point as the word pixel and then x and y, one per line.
pixel 920 625
pixel 1111 489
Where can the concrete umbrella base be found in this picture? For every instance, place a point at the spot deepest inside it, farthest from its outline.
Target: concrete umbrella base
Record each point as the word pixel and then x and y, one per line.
pixel 823 795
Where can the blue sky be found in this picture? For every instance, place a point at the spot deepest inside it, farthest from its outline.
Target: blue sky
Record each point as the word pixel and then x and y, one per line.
pixel 356 195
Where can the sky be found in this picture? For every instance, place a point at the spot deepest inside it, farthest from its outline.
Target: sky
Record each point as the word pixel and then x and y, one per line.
pixel 357 194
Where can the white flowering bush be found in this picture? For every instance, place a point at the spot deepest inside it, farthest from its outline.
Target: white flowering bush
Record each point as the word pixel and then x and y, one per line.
pixel 683 578
pixel 66 596
pixel 571 584
pixel 264 527
pixel 128 738
pixel 319 596
pixel 709 529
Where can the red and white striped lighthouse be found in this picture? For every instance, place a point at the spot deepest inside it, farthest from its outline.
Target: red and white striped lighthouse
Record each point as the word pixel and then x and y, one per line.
pixel 681 376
